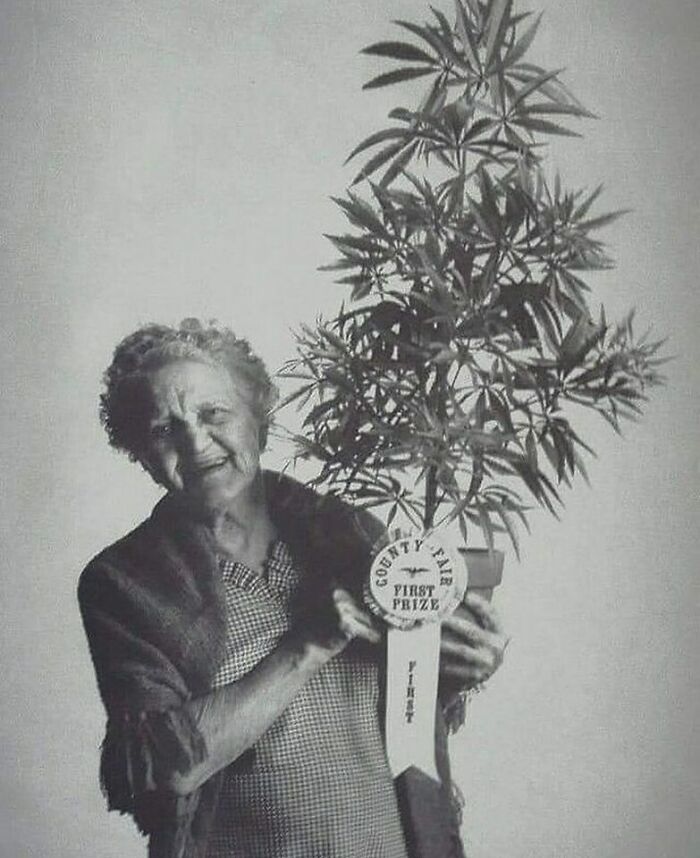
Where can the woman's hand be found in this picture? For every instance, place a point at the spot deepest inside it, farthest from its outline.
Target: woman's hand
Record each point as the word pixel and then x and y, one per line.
pixel 329 624
pixel 233 717
pixel 472 644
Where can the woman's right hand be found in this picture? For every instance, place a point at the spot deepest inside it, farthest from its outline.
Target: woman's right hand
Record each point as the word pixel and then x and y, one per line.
pixel 234 717
pixel 328 627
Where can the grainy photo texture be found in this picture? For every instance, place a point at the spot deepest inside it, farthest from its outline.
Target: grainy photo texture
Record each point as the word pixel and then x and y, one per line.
pixel 279 278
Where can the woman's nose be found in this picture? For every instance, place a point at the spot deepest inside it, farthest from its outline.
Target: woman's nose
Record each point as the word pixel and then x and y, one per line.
pixel 196 437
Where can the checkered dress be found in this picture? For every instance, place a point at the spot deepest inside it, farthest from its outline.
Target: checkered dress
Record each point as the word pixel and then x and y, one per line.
pixel 317 783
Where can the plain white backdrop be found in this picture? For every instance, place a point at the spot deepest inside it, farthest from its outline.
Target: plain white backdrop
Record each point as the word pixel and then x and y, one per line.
pixel 162 160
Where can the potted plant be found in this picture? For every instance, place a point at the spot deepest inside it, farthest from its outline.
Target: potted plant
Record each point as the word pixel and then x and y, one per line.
pixel 447 390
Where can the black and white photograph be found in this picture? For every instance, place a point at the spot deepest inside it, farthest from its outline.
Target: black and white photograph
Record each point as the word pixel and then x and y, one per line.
pixel 350 440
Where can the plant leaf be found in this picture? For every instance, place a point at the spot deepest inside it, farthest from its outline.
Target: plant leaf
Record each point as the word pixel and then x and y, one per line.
pixel 398 165
pixel 521 46
pixel 467 37
pixel 532 85
pixel 361 214
pixel 497 25
pixel 603 220
pixel 442 20
pixel 396 76
pixel 543 126
pixel 355 242
pixel 379 137
pixel 399 51
pixel 550 107
pixel 378 160
pixel 584 207
pixel 427 35
pixel 487 527
pixel 501 512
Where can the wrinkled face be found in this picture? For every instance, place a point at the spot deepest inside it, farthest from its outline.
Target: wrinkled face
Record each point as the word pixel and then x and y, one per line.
pixel 203 440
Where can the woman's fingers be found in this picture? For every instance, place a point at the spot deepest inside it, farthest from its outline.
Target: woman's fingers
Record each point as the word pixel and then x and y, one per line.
pixel 330 620
pixel 472 642
pixel 353 620
pixel 459 659
pixel 463 676
pixel 463 672
pixel 485 613
pixel 458 648
pixel 461 624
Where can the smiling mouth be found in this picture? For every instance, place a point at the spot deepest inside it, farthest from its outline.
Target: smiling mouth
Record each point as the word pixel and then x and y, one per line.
pixel 205 468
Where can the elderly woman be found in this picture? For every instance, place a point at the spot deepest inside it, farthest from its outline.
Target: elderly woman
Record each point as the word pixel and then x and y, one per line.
pixel 239 671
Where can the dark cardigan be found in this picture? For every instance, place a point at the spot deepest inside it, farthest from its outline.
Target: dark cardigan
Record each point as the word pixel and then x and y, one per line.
pixel 154 613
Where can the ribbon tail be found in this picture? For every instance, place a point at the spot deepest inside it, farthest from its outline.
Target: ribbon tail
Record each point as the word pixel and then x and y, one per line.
pixel 413 658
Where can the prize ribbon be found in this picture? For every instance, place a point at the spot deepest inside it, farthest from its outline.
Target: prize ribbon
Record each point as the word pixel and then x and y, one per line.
pixel 414 582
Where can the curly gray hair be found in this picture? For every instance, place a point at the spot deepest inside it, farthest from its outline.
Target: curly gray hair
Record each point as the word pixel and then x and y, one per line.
pixel 122 404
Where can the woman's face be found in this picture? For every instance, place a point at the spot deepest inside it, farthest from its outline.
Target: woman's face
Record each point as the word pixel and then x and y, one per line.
pixel 203 440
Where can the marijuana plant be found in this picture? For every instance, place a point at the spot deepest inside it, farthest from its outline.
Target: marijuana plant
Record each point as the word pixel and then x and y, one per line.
pixel 448 388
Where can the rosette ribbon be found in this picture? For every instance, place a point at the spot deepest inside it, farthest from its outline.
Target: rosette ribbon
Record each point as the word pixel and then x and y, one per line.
pixel 414 582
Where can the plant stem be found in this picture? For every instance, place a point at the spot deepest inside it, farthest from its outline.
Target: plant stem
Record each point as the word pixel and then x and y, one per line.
pixel 430 497
pixel 438 402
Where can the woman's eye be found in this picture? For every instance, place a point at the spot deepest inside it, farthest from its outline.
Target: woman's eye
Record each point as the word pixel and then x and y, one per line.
pixel 214 414
pixel 161 431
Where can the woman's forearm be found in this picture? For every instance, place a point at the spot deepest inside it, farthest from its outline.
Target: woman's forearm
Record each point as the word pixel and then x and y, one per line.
pixel 232 718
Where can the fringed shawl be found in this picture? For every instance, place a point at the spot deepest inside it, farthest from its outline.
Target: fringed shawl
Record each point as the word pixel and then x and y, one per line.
pixel 154 613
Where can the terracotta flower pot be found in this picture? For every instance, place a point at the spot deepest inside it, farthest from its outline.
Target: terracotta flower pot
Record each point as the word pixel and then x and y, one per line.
pixel 485 569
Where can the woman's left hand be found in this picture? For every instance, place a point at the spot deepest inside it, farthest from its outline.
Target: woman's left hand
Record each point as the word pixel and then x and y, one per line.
pixel 472 643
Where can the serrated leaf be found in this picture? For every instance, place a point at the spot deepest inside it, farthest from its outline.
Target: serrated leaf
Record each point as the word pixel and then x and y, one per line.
pixel 403 114
pixel 396 76
pixel 531 449
pixel 433 101
pixel 497 25
pixel 442 20
pixel 306 390
pixel 530 478
pixel 377 161
pixel 533 85
pixel 584 207
pixel 356 242
pixel 398 164
pixel 569 452
pixel 399 51
pixel 549 107
pixel 603 220
pixel 581 467
pixel 487 527
pixel 319 410
pixel 488 199
pixel 517 141
pixel 467 37
pixel 379 137
pixel 342 264
pixel 426 34
pixel 361 214
pixel 521 46
pixel 361 290
pixel 483 124
pixel 474 8
pixel 360 280
pixel 464 261
pixel 502 513
pixel 516 19
pixel 543 126
pixel 500 412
